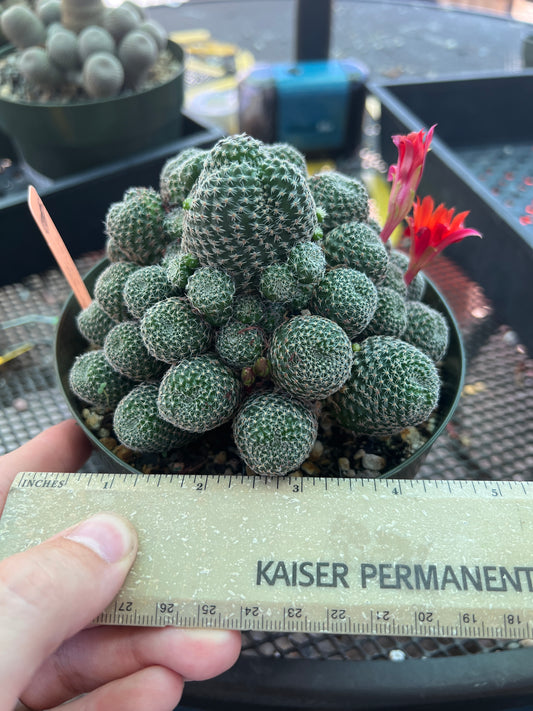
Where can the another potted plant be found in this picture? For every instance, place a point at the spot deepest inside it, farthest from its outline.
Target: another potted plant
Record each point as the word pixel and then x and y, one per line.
pixel 85 84
pixel 245 309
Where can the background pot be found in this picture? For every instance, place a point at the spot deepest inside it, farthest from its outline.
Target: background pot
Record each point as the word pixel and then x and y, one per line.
pixel 60 139
pixel 69 343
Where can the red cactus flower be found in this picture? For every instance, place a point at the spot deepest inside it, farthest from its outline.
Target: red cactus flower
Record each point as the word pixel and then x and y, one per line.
pixel 405 176
pixel 431 230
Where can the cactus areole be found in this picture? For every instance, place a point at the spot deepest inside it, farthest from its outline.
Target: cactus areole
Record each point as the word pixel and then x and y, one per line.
pixel 238 308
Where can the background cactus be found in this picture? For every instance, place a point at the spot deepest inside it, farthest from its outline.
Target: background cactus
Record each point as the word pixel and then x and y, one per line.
pixel 261 323
pixel 84 44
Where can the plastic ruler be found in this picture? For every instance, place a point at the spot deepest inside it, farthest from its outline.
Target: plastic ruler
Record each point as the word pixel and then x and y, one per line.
pixel 346 556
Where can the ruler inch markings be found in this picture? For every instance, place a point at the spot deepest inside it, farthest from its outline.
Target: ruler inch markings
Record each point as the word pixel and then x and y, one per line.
pixel 366 556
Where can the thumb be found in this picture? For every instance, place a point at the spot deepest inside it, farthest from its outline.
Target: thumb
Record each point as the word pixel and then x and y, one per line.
pixel 50 592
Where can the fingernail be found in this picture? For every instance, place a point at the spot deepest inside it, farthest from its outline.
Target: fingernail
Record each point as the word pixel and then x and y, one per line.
pixel 109 536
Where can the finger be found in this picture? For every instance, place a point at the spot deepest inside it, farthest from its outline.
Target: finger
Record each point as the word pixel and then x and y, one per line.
pixel 151 689
pixel 98 655
pixel 50 592
pixel 61 448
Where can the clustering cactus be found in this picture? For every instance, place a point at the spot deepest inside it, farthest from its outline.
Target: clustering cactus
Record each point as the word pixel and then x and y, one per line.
pixel 101 51
pixel 245 313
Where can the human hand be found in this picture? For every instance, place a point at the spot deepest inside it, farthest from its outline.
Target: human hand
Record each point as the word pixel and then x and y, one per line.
pixel 50 593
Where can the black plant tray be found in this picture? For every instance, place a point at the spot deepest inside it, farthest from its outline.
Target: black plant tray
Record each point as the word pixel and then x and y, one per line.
pixel 78 203
pixel 482 161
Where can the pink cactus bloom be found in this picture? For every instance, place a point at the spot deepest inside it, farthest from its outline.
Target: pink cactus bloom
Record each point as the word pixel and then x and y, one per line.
pixel 405 177
pixel 431 230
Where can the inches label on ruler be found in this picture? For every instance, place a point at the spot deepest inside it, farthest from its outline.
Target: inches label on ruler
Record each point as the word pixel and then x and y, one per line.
pixel 347 556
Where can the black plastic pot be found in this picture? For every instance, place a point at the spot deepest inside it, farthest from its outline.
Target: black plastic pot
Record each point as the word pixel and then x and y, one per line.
pixel 69 343
pixel 60 139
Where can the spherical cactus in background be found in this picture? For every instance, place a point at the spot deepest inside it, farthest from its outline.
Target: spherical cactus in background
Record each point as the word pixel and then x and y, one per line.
pixel 274 433
pixel 93 380
pixel 173 226
pixel 139 427
pixel 103 75
pixel 62 48
pixel 310 357
pixel 94 39
pixel 114 253
pixel 239 345
pixel 286 151
pixel 199 394
pixel 427 329
pixel 109 288
pixel 347 297
pixel 137 52
pixel 136 225
pixel 145 287
pixel 22 27
pixel 157 31
pixel 307 262
pixel 341 198
pixel 49 11
pixel 358 246
pixel 180 267
pixel 273 315
pixel 390 316
pixel 246 210
pixel 278 283
pixel 393 385
pixel 171 330
pixel 118 21
pixel 179 175
pixel 249 309
pixel 211 292
pixel 417 288
pixel 94 324
pixel 394 279
pixel 126 353
pixel 34 64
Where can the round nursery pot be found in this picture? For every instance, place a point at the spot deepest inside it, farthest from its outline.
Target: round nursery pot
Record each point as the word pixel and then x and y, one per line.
pixel 69 344
pixel 60 139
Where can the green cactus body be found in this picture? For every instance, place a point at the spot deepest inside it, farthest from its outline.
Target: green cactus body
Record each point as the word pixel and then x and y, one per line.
pixel 22 27
pixel 211 292
pixel 93 380
pixel 49 12
pixel 173 226
pixel 180 267
pixel 246 210
pixel 287 152
pixel 394 279
pixel 199 394
pixel 118 21
pixel 136 224
pixel 139 427
pixel 145 287
pixel 427 329
pixel 125 351
pixel 138 52
pixel 307 262
pixel 310 357
pixel 248 309
pixel 103 75
pixel 274 314
pixel 179 174
pixel 157 31
pixel 62 48
pixel 278 283
pixel 109 288
pixel 274 433
pixel 417 288
pixel 94 324
pixel 358 246
pixel 95 39
pixel 239 345
pixel 171 330
pixel 114 253
pixel 341 198
pixel 35 65
pixel 390 316
pixel 347 297
pixel 393 385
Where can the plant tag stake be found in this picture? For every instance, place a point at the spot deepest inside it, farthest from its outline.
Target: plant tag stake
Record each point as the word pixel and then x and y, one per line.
pixel 345 556
pixel 58 248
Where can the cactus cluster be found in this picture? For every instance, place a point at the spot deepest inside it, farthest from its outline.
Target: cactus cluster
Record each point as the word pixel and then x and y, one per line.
pixel 100 50
pixel 276 303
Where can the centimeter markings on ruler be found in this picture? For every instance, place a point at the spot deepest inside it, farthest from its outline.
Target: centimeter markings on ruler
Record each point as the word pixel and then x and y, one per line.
pixel 347 556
